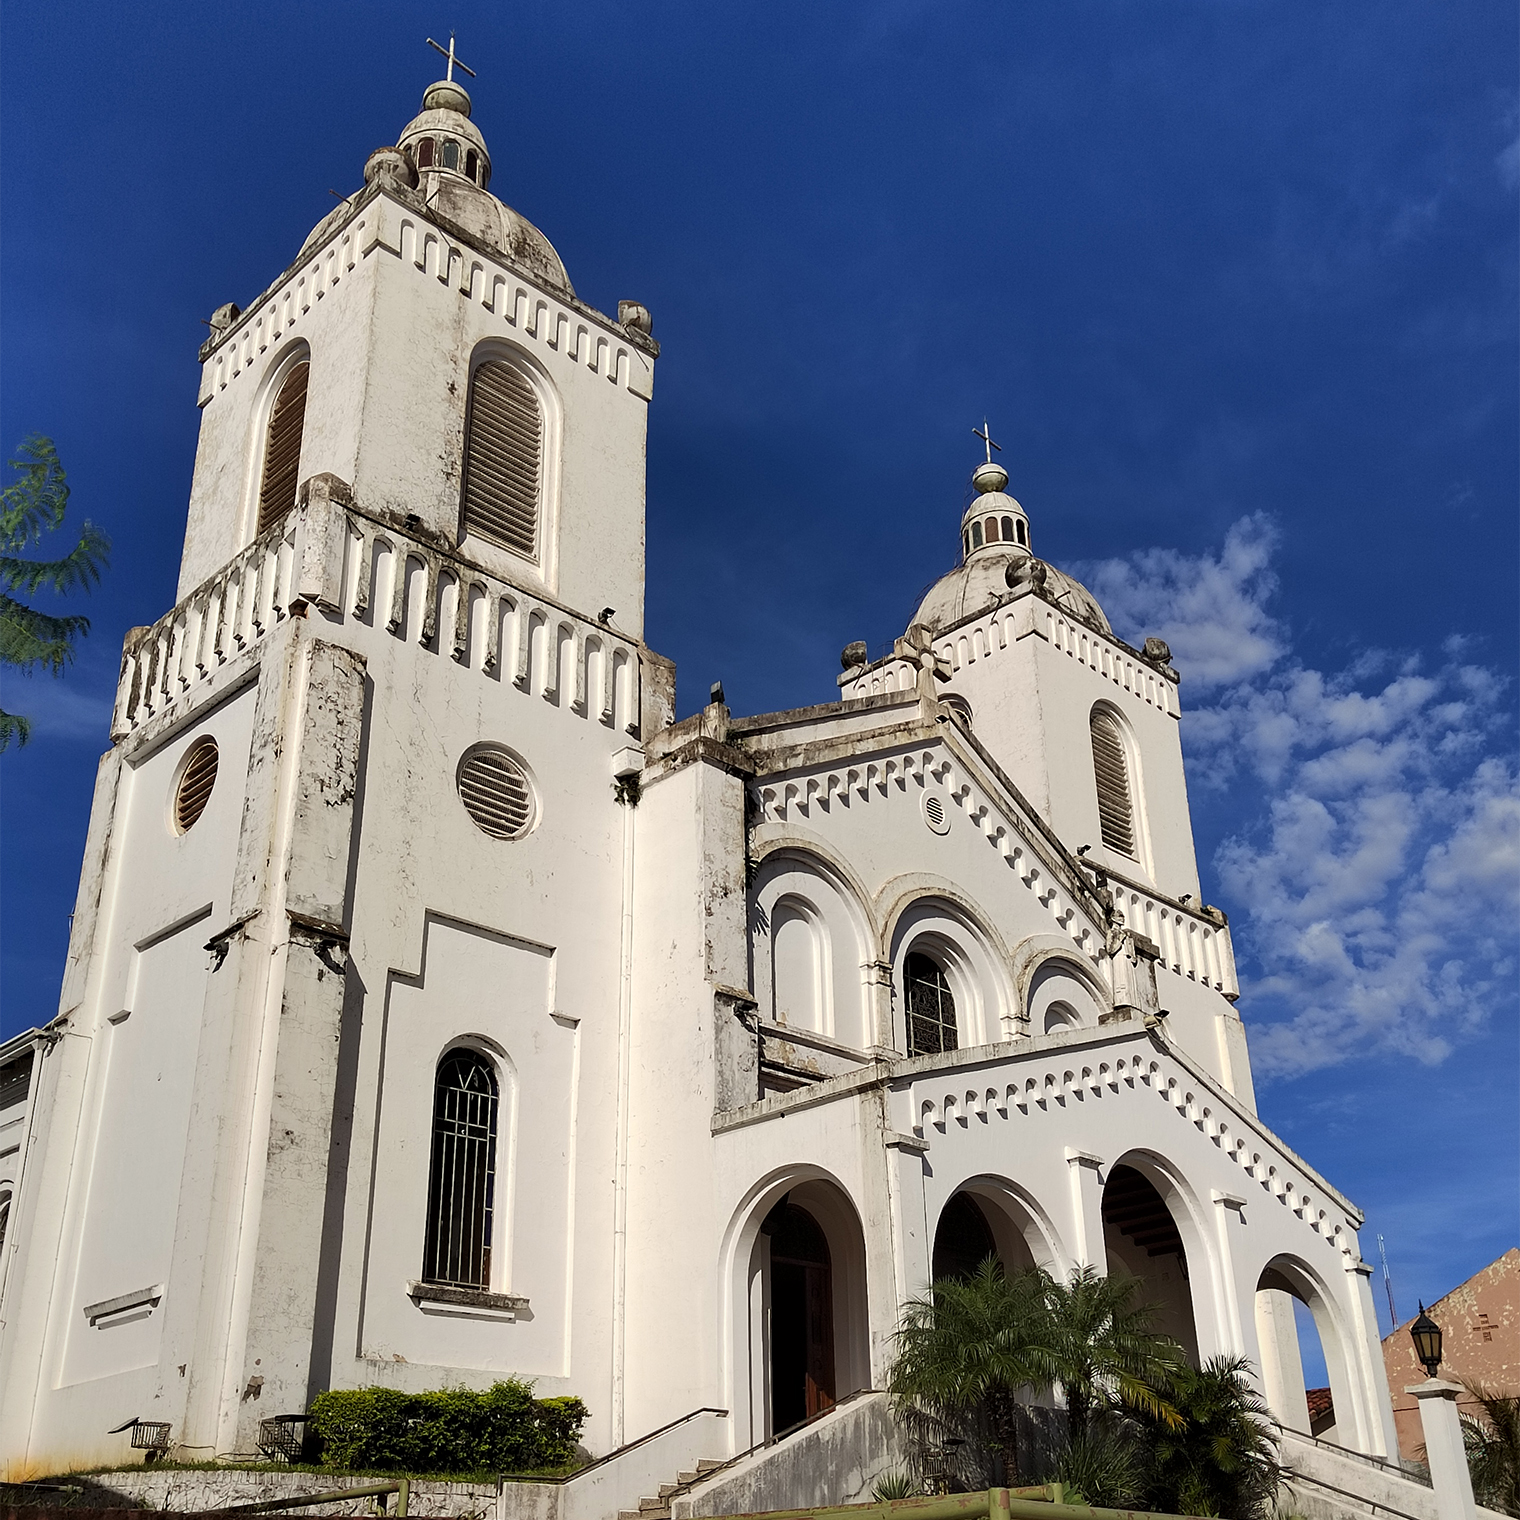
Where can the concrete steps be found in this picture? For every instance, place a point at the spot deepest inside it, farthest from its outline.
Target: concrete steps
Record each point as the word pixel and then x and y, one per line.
pixel 658 1507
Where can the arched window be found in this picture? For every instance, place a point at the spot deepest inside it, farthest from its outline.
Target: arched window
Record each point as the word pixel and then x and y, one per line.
pixel 1111 769
pixel 462 1175
pixel 471 160
pixel 450 154
pixel 1023 533
pixel 1007 530
pixel 931 1007
pixel 976 535
pixel 282 448
pixel 991 530
pixel 966 539
pixel 503 448
pixel 425 153
pixel 5 1217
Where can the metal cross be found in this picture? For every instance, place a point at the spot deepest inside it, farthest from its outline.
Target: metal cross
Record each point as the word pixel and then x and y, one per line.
pixel 983 432
pixel 448 52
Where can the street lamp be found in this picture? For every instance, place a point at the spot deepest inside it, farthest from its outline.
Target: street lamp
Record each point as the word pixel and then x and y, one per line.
pixel 1426 1335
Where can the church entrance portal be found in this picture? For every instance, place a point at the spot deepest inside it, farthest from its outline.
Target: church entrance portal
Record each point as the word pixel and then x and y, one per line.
pixel 802 1317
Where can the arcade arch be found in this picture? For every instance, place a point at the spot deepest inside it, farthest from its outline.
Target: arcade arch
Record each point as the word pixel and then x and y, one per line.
pixel 1144 1219
pixel 1288 1293
pixel 988 1215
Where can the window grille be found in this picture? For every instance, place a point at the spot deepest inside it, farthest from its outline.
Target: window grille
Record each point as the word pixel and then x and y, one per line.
pixel 495 792
pixel 931 1007
pixel 282 448
pixel 195 783
pixel 1111 768
pixel 504 433
pixel 462 1176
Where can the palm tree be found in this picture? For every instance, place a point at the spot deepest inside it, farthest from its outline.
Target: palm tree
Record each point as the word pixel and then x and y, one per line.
pixel 1493 1449
pixel 30 507
pixel 971 1345
pixel 1104 1351
pixel 1219 1458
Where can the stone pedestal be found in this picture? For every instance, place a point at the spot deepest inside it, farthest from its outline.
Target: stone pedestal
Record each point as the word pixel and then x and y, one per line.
pixel 1444 1450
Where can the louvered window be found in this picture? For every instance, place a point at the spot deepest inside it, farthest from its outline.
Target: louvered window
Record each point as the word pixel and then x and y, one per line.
pixel 282 448
pixel 496 793
pixel 931 1007
pixel 503 453
pixel 462 1176
pixel 1111 767
pixel 195 783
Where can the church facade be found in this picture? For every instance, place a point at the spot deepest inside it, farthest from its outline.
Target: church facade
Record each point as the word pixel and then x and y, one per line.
pixel 439 1009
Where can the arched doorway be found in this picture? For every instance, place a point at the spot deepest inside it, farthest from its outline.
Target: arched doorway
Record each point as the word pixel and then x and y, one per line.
pixel 1143 1241
pixel 963 1239
pixel 802 1380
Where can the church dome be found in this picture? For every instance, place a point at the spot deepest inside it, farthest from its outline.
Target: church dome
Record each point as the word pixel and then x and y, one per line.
pixel 453 170
pixel 981 583
pixel 995 547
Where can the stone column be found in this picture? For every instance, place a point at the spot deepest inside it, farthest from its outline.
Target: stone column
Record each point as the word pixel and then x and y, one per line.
pixel 1444 1450
pixel 1088 1247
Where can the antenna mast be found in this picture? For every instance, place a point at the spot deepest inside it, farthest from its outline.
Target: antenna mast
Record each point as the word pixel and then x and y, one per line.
pixel 1388 1284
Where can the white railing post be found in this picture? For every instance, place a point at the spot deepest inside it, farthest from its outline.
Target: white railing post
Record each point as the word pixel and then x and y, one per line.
pixel 1445 1452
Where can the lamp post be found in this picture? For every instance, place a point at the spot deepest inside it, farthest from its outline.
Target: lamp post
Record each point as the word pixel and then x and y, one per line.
pixel 1445 1451
pixel 1426 1335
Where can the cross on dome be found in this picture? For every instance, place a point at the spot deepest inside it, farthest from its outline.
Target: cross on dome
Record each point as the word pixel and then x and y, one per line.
pixel 985 434
pixel 448 52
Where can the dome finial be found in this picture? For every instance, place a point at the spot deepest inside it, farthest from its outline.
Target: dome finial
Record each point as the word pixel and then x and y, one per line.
pixel 448 94
pixel 988 477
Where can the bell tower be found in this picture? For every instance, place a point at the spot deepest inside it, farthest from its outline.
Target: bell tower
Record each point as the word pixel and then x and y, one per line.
pixel 351 936
pixel 452 382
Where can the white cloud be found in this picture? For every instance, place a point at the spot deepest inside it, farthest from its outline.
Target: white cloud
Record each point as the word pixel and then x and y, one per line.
pixel 1375 872
pixel 1211 609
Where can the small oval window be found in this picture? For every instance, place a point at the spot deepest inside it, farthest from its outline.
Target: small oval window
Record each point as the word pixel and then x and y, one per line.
pixel 496 792
pixel 451 155
pixel 197 776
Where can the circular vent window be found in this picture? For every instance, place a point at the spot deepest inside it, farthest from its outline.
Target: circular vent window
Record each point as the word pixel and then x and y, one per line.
pixel 197 776
pixel 936 815
pixel 496 792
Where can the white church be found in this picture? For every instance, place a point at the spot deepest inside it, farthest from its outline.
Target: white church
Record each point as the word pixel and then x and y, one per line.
pixel 439 1009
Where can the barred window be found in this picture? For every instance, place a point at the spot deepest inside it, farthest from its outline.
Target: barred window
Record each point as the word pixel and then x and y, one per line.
pixel 1111 769
pixel 931 1007
pixel 462 1177
pixel 282 448
pixel 503 459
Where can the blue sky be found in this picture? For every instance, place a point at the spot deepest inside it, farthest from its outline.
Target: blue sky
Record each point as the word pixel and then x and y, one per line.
pixel 1233 279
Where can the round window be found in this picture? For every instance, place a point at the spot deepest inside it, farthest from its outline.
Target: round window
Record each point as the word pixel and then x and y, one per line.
pixel 496 792
pixel 936 815
pixel 192 792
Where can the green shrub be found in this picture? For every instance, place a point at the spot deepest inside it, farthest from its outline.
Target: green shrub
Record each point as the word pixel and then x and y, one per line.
pixel 504 1429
